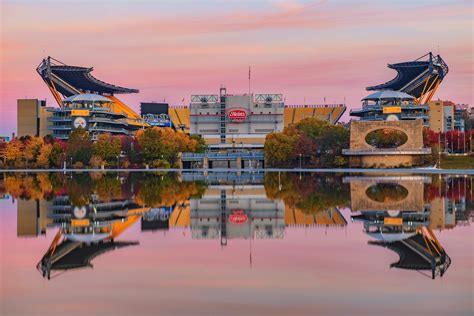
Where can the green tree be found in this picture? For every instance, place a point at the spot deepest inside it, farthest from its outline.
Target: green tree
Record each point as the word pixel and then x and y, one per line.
pixel 331 142
pixel 312 127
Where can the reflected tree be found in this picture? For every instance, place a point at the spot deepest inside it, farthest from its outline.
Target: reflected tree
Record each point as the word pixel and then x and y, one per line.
pixel 310 193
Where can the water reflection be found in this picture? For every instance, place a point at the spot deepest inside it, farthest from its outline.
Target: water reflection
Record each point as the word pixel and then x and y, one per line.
pixel 396 216
pixel 90 211
pixel 87 227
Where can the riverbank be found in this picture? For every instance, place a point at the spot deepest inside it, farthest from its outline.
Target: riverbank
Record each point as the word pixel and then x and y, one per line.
pixel 457 162
pixel 262 170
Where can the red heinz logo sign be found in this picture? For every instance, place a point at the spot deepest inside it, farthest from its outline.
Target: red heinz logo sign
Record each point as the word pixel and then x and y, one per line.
pixel 237 115
pixel 238 217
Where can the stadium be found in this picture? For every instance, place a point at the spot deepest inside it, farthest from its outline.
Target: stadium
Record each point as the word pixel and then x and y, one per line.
pixel 222 119
pixel 408 95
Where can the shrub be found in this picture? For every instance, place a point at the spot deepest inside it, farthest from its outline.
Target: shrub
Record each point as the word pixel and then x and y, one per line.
pixel 339 161
pixel 96 162
pixel 160 163
pixel 78 165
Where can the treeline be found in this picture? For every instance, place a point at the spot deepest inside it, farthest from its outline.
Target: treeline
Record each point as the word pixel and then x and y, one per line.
pixel 149 189
pixel 154 147
pixel 311 143
pixel 309 192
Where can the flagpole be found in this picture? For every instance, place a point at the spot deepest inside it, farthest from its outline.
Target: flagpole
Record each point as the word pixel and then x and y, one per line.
pixel 249 80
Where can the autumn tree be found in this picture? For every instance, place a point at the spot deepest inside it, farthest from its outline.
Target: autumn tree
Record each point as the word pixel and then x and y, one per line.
pixel 131 149
pixel 79 146
pixel 158 144
pixel 311 138
pixel 331 142
pixel 311 193
pixel 57 155
pixel 279 148
pixel 3 145
pixel 32 148
pixel 13 152
pixel 107 147
pixel 200 145
pixel 43 156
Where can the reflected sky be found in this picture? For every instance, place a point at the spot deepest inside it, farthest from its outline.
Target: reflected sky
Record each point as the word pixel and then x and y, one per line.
pixel 148 244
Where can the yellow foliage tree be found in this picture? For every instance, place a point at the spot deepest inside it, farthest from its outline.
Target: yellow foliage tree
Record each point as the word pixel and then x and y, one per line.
pixel 43 156
pixel 13 152
pixel 32 148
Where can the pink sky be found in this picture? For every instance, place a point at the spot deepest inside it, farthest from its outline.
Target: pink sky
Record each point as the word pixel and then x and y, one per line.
pixel 315 269
pixel 172 49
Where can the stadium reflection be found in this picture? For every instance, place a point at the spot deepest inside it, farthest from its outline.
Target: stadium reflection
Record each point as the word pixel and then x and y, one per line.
pixel 396 216
pixel 88 212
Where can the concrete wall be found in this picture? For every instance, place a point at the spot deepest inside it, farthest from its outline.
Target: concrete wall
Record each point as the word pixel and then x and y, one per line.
pixel 261 118
pixel 360 202
pixel 27 218
pixel 436 116
pixel 27 117
pixel 371 157
pixel 360 129
pixel 32 117
pixel 385 161
pixel 44 114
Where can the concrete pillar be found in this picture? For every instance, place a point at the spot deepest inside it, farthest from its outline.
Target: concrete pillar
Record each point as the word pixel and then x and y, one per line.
pixel 239 166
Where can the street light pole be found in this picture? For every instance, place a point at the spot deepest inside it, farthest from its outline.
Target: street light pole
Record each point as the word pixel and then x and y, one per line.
pixel 439 150
pixel 300 167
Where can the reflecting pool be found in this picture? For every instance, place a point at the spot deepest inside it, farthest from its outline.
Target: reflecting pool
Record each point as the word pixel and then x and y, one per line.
pixel 227 244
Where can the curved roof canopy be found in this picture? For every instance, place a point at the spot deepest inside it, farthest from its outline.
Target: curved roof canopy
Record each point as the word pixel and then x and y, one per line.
pixel 391 237
pixel 69 80
pixel 87 97
pixel 87 238
pixel 388 95
pixel 416 77
pixel 82 255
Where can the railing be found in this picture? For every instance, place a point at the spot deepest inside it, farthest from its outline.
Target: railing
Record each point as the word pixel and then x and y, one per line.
pixel 222 156
pixel 106 120
pixel 217 177
pixel 108 129
pixel 55 127
pixel 296 106
pixel 59 119
pixel 402 107
pixel 387 151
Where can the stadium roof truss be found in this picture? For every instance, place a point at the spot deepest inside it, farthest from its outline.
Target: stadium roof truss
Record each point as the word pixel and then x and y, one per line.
pixel 64 81
pixel 419 78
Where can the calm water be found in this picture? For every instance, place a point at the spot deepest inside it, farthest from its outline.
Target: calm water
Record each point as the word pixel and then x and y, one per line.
pixel 273 244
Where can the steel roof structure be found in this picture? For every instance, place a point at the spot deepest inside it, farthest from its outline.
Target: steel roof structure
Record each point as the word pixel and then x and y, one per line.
pixel 71 80
pixel 419 78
